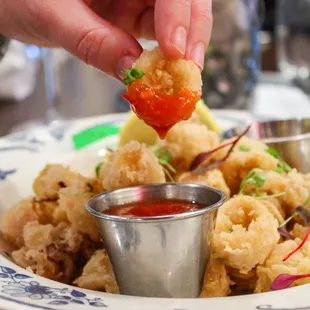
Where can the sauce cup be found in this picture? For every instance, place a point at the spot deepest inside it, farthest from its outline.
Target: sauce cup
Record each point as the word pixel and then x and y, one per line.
pixel 158 256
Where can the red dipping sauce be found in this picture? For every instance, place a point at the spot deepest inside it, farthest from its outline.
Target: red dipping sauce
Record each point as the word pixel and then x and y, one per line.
pixel 160 111
pixel 154 208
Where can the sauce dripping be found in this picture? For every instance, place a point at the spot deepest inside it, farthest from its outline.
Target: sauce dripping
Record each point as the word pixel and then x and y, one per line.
pixel 158 110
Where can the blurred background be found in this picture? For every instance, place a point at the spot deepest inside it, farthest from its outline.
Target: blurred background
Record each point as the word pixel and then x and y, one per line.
pixel 258 60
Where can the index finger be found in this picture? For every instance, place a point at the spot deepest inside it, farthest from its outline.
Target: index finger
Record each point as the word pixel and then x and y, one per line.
pixel 172 22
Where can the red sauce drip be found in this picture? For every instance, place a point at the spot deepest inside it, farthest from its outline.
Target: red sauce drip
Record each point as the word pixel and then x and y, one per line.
pixel 154 208
pixel 158 110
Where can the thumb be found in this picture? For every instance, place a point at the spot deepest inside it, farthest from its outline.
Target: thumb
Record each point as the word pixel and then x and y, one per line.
pixel 75 27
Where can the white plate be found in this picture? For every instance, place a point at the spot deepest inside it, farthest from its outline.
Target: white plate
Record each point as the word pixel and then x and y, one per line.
pixel 20 162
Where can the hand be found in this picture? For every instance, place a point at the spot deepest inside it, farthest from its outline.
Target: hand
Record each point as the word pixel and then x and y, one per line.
pixel 102 32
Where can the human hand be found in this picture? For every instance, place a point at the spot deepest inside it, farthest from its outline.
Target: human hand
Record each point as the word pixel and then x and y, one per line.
pixel 102 32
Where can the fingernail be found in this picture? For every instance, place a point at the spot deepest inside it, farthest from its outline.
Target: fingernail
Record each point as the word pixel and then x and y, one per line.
pixel 178 39
pixel 125 62
pixel 198 55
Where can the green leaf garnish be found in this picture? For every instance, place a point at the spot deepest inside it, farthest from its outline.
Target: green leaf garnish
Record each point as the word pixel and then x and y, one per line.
pixel 255 177
pixel 132 75
pixel 307 201
pixel 244 148
pixel 97 169
pixel 164 158
pixel 283 167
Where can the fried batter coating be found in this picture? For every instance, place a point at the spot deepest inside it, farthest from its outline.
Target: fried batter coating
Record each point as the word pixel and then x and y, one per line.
pixel 299 231
pixel 245 233
pixel 212 178
pixel 54 177
pixel 297 191
pixel 169 76
pixel 13 221
pixel 72 201
pixel 133 164
pixel 274 207
pixel 187 140
pixel 216 281
pixel 299 263
pixel 98 274
pixel 237 166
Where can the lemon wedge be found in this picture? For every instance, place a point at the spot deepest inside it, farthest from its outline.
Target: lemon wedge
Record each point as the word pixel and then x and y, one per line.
pixel 136 130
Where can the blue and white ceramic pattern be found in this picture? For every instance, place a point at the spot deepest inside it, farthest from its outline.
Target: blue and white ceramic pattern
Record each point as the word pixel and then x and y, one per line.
pixel 22 156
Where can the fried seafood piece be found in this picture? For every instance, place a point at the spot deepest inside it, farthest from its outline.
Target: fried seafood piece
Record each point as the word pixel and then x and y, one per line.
pixel 239 163
pixel 167 92
pixel 216 281
pixel 72 201
pixel 299 263
pixel 13 221
pixel 274 207
pixel 133 164
pixel 245 233
pixel 98 274
pixel 212 178
pixel 55 177
pixel 49 251
pixel 299 231
pixel 297 191
pixel 187 140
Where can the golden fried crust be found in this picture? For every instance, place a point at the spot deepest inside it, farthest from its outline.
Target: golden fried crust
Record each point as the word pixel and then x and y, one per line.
pixel 245 233
pixel 187 140
pixel 297 192
pixel 98 274
pixel 216 281
pixel 169 76
pixel 133 164
pixel 299 263
pixel 14 219
pixel 212 178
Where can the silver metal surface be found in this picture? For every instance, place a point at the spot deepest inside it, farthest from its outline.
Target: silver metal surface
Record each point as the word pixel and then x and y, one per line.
pixel 291 138
pixel 163 256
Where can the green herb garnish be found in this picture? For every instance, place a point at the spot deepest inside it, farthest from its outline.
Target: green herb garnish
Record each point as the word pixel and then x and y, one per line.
pixel 244 148
pixel 283 167
pixel 132 75
pixel 257 179
pixel 164 158
pixel 97 169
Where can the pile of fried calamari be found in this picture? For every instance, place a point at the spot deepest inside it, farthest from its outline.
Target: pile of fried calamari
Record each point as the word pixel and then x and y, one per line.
pixel 55 237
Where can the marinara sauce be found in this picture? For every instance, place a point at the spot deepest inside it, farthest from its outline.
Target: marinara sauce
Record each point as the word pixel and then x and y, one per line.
pixel 154 208
pixel 158 110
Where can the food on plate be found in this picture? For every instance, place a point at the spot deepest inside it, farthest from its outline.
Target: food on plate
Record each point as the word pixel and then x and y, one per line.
pixel 135 129
pixel 260 241
pixel 162 91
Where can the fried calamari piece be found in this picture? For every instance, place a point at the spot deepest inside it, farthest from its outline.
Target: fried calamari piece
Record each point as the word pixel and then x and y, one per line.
pixel 297 191
pixel 14 219
pixel 239 163
pixel 72 201
pixel 274 207
pixel 133 164
pixel 243 282
pixel 98 274
pixel 299 263
pixel 55 177
pixel 212 178
pixel 187 140
pixel 216 281
pixel 40 263
pixel 168 76
pixel 299 231
pixel 245 233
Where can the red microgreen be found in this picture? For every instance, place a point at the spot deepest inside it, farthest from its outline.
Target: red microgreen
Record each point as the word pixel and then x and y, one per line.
pixel 285 233
pixel 285 280
pixel 299 246
pixel 202 157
